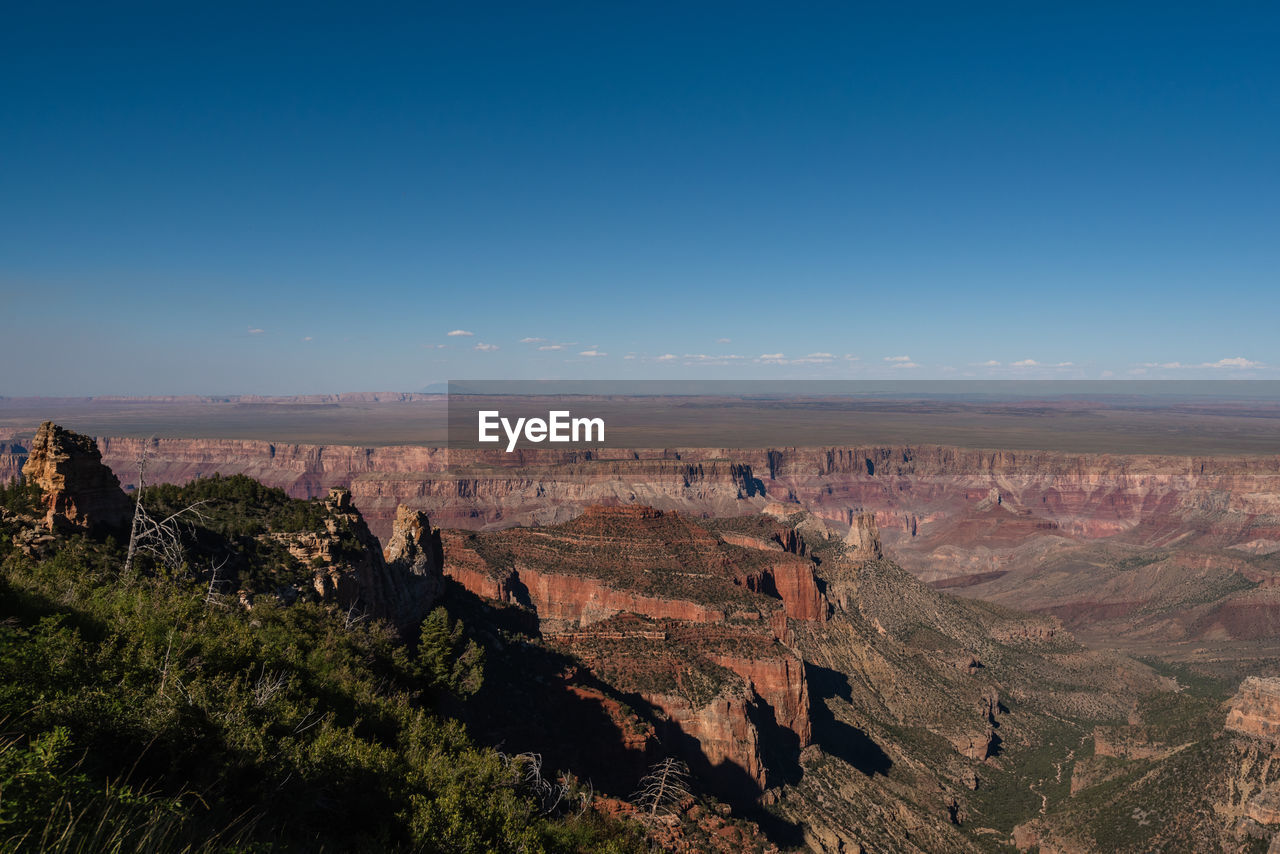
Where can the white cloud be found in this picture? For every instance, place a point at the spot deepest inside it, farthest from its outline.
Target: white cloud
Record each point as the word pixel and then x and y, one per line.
pixel 1230 362
pixel 1065 365
pixel 667 357
pixel 532 340
pixel 989 363
pixel 552 347
pixel 460 333
pixel 897 358
pixel 487 348
pixel 1233 362
pixel 849 357
pixel 1026 363
pixel 812 359
pixel 629 356
pixel 723 340
pixel 253 330
pixel 592 353
pixel 306 338
pixel 706 357
pixel 904 365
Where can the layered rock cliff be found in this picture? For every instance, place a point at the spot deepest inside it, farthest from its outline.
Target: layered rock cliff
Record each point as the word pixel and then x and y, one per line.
pixel 708 648
pixel 1250 806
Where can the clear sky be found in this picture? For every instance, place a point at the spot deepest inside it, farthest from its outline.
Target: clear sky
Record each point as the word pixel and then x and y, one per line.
pixel 216 198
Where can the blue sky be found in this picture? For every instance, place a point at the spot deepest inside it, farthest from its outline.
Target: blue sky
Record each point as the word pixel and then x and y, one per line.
pixel 327 197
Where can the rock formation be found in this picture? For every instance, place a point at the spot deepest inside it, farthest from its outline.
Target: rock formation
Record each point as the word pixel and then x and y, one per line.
pixel 1252 801
pixel 414 557
pixel 1255 710
pixel 863 539
pixel 80 493
pixel 349 568
pixel 710 615
pixel 983 522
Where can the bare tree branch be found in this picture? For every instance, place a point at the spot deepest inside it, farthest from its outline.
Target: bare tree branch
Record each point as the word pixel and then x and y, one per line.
pixel 269 684
pixel 664 787
pixel 213 596
pixel 162 539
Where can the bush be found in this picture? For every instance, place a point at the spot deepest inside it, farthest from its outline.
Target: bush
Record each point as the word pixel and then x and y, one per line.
pixel 135 716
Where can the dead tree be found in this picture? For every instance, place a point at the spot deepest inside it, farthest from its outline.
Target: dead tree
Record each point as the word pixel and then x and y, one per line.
pixel 353 618
pixel 664 787
pixel 137 504
pixel 527 768
pixel 161 538
pixel 270 683
pixel 213 595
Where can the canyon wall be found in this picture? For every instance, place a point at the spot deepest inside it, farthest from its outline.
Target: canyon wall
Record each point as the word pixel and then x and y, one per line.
pixel 982 522
pixel 913 491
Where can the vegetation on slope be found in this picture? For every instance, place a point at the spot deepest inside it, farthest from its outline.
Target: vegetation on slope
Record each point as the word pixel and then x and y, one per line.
pixel 135 714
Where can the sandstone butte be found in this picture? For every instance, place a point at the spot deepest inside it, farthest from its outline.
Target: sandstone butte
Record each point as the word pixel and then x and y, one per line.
pixel 708 603
pixel 80 493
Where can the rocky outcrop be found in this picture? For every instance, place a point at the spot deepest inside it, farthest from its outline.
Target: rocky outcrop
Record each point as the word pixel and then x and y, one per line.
pixel 350 569
pixel 414 558
pixel 863 539
pixel 1126 742
pixel 80 493
pixel 1255 709
pixel 794 583
pixel 670 610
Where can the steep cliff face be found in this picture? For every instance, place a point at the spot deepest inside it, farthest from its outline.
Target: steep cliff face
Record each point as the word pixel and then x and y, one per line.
pixel 1251 803
pixel 708 613
pixel 726 694
pixel 12 456
pixel 779 681
pixel 80 493
pixel 1099 494
pixel 1255 710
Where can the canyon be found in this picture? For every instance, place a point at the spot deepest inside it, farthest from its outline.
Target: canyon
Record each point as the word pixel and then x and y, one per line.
pixel 825 632
pixel 1143 550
